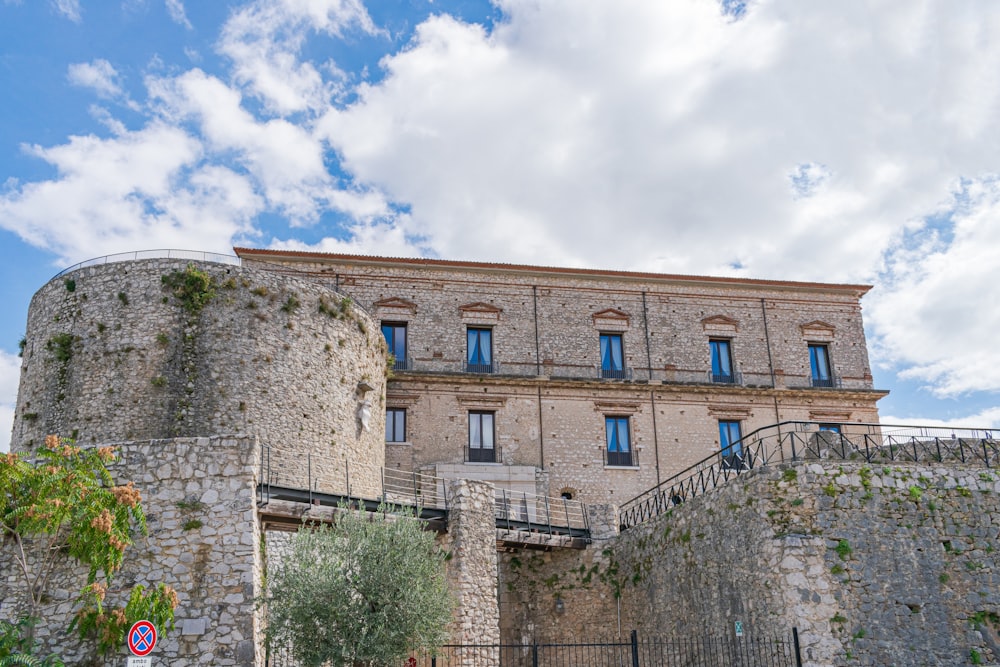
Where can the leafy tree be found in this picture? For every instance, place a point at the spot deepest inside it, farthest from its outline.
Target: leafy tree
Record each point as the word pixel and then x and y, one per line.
pixel 365 591
pixel 59 510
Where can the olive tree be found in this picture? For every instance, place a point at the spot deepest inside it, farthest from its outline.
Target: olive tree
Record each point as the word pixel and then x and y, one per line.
pixel 60 509
pixel 366 590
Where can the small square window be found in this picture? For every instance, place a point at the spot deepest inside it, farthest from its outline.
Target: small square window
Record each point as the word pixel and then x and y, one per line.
pixel 395 425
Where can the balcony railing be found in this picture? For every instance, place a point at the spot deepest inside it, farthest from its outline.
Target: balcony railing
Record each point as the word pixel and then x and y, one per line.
pixel 621 459
pixel 483 455
pixel 486 369
pixel 830 382
pixel 615 373
pixel 725 378
pixel 402 364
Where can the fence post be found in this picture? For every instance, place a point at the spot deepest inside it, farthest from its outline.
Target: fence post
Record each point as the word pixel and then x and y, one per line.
pixel 798 650
pixel 309 475
pixel 534 655
pixel 635 648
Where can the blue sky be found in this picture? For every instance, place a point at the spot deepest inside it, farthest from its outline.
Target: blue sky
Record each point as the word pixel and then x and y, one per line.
pixel 841 142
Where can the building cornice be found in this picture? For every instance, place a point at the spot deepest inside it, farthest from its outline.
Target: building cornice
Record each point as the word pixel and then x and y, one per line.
pixel 296 256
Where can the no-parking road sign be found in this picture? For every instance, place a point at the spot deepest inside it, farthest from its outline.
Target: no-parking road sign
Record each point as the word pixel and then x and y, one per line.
pixel 142 638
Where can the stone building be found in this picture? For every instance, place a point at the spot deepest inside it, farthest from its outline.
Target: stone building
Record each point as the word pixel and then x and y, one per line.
pixel 594 385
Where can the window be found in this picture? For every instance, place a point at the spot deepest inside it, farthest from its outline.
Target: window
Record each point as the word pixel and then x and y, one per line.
pixel 619 444
pixel 479 358
pixel 722 361
pixel 612 358
pixel 831 428
pixel 395 425
pixel 731 445
pixel 395 338
pixel 819 363
pixel 481 437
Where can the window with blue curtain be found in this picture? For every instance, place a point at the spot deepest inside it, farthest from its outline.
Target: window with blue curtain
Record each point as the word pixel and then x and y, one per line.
pixel 616 430
pixel 730 445
pixel 819 364
pixel 722 360
pixel 481 437
pixel 395 338
pixel 395 425
pixel 612 356
pixel 479 358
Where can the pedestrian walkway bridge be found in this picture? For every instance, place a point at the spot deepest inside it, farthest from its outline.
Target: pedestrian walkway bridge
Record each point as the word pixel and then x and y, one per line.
pixel 292 490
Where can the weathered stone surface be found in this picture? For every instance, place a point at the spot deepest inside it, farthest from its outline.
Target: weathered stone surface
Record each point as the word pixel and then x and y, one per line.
pixel 870 575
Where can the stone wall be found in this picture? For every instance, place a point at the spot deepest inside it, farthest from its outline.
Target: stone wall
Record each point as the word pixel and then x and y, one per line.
pixel 547 398
pixel 113 354
pixel 886 565
pixel 199 496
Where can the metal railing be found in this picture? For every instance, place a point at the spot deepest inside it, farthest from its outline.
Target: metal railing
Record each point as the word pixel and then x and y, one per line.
pixel 320 479
pixel 725 378
pixel 802 441
pixel 631 651
pixel 519 510
pixel 614 373
pixel 404 364
pixel 485 369
pixel 193 255
pixel 483 455
pixel 629 459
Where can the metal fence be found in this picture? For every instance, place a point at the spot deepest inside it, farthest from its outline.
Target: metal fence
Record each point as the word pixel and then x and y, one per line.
pixel 325 480
pixel 624 652
pixel 803 441
pixel 193 255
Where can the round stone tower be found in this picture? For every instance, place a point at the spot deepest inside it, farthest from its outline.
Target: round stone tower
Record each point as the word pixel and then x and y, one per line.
pixel 164 348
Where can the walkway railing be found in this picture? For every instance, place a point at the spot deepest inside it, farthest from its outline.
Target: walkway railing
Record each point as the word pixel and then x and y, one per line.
pixel 318 479
pixel 193 255
pixel 801 441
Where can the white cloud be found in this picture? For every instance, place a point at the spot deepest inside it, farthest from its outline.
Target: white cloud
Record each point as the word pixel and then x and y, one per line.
pixel 10 376
pixel 68 8
pixel 176 10
pixel 99 75
pixel 143 189
pixel 988 418
pixel 264 39
pixel 934 314
pixel 661 135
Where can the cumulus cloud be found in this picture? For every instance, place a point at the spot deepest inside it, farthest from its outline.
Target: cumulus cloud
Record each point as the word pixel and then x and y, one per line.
pixel 663 136
pixel 99 75
pixel 264 39
pixel 140 189
pixel 934 313
pixel 10 376
pixel 69 9
pixel 781 139
pixel 175 8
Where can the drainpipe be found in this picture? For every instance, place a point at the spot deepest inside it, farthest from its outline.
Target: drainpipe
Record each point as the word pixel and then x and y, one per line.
pixel 645 325
pixel 770 364
pixel 538 356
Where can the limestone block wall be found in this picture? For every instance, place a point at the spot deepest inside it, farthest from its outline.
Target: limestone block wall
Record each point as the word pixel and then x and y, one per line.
pixel 551 318
pixel 472 569
pixel 887 565
pixel 199 498
pixel 113 354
